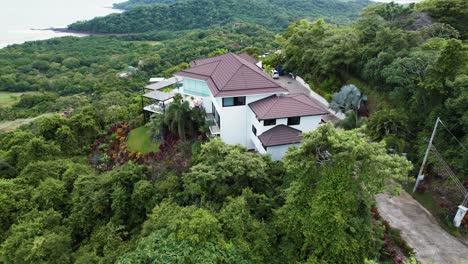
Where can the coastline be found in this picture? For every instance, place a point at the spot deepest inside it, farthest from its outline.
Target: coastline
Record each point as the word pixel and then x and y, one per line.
pixel 77 32
pixel 17 31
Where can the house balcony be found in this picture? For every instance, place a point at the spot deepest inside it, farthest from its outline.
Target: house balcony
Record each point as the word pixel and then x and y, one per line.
pixel 154 108
pixel 213 125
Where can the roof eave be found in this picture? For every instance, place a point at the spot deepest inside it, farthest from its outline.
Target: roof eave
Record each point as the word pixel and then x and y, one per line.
pixel 248 92
pixel 278 117
pixel 275 145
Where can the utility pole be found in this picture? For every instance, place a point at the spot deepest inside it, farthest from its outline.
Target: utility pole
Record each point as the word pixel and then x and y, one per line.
pixel 420 175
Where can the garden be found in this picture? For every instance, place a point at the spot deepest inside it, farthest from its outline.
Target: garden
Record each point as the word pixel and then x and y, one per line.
pixel 139 140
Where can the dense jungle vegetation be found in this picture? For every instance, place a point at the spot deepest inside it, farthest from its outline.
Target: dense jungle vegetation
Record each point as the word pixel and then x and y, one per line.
pixel 71 191
pixel 190 14
pixel 412 59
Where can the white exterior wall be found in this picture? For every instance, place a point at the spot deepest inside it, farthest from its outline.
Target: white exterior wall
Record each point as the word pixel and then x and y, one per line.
pixel 277 152
pixel 237 121
pixel 253 142
pixel 236 125
pixel 308 123
pixel 257 145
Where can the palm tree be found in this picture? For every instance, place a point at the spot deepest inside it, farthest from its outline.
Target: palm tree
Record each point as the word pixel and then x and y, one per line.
pixel 177 116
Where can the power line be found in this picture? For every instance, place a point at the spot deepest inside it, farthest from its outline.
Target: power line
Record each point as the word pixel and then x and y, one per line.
pixel 449 172
pixel 453 135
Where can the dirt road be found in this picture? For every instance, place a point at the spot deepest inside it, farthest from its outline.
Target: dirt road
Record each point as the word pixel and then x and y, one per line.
pixel 420 230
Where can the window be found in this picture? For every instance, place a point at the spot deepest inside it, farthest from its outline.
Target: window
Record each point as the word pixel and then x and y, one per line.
pixel 196 87
pixel 294 121
pixel 269 122
pixel 233 101
pixel 254 130
pixel 216 115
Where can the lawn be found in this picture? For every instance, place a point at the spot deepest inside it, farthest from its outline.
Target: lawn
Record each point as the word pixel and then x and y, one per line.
pixel 138 140
pixel 7 126
pixel 9 99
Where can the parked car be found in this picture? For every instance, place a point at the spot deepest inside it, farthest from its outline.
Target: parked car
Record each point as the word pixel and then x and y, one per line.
pixel 275 74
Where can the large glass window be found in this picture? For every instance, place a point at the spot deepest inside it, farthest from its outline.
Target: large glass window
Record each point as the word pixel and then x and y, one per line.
pixel 294 121
pixel 233 101
pixel 196 87
pixel 269 122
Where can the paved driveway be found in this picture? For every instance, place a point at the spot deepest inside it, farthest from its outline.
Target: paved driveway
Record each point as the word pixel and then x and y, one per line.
pixel 298 85
pixel 420 230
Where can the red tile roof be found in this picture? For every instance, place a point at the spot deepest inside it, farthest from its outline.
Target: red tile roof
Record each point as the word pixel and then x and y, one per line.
pixel 280 135
pixel 286 106
pixel 232 75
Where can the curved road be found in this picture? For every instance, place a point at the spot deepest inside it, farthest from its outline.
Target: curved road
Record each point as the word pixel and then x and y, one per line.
pixel 420 230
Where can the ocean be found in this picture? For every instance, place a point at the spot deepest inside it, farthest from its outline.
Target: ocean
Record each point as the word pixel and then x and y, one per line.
pixel 19 17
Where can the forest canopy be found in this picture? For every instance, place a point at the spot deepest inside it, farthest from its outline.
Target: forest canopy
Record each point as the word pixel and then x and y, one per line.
pixel 145 16
pixel 67 197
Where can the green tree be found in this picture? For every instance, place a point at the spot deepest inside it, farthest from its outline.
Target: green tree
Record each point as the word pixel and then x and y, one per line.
pixel 71 63
pixel 6 170
pixel 387 122
pixel 15 200
pixel 332 180
pixel 151 62
pixel 38 237
pixel 453 56
pixel 51 193
pixel 453 12
pixel 35 150
pixel 249 235
pixel 174 234
pixel 225 170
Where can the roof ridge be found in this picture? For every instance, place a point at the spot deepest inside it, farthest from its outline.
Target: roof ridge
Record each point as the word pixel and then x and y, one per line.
pixel 217 58
pixel 273 104
pixel 255 68
pixel 268 135
pixel 203 65
pixel 232 76
pixel 312 106
pixel 299 100
pixel 217 87
pixel 244 80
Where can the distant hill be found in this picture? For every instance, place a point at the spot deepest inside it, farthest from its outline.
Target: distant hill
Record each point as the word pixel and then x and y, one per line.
pixel 133 3
pixel 150 15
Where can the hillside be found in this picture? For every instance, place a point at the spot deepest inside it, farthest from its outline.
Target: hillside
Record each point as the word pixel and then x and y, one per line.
pixel 133 3
pixel 191 14
pixel 78 185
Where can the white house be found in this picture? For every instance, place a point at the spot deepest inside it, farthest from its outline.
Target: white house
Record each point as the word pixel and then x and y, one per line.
pixel 246 106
